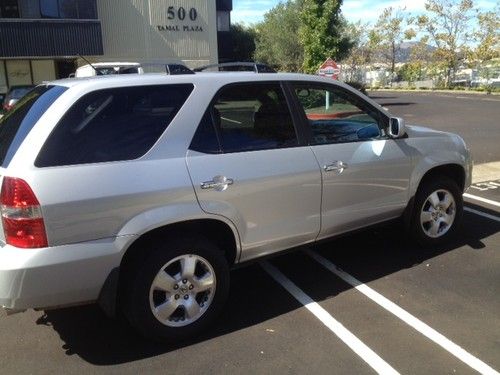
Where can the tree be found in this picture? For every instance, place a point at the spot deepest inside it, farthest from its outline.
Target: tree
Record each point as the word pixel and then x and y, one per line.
pixel 411 71
pixel 277 40
pixel 322 33
pixel 360 54
pixel 448 26
pixel 389 33
pixel 243 42
pixel 486 37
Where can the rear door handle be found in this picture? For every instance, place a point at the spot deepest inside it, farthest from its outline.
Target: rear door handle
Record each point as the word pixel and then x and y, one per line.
pixel 218 183
pixel 337 166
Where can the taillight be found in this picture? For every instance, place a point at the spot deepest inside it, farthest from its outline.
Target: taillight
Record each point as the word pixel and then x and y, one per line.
pixel 21 215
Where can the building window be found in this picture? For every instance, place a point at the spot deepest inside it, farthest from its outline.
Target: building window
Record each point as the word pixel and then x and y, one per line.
pixel 69 9
pixel 223 20
pixel 49 8
pixel 9 9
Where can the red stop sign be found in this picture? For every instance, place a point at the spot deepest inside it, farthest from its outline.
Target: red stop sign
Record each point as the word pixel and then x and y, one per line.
pixel 329 69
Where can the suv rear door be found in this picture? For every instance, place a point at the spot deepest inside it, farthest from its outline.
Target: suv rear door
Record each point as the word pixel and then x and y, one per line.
pixel 248 164
pixel 365 173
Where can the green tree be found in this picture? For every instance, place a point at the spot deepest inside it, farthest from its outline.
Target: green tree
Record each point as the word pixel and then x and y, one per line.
pixel 277 40
pixel 243 42
pixel 487 37
pixel 322 33
pixel 411 71
pixel 448 26
pixel 389 32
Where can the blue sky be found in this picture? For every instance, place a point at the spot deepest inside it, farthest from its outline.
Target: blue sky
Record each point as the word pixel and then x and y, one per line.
pixel 251 11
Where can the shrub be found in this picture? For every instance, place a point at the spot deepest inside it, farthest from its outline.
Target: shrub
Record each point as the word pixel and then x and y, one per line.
pixel 358 86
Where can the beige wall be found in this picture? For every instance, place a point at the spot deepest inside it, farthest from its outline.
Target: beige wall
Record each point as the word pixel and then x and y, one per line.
pixel 130 31
pixel 18 72
pixel 43 70
pixel 3 81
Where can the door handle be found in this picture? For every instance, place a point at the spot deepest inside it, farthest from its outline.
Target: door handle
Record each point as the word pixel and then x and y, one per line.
pixel 218 183
pixel 336 166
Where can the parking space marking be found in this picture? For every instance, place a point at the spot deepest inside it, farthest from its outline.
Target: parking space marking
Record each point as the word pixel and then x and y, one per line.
pixel 481 199
pixel 406 317
pixel 486 185
pixel 355 344
pixel 484 214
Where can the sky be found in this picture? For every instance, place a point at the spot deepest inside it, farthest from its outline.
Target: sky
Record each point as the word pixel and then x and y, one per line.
pixel 251 11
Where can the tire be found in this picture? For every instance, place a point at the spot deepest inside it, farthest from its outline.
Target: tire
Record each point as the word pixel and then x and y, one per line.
pixel 178 290
pixel 437 212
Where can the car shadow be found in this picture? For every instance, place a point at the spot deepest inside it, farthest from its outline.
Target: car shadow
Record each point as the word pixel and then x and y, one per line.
pixel 392 104
pixel 255 298
pixel 375 97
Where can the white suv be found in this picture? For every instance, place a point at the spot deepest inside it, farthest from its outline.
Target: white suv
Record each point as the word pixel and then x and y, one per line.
pixel 142 191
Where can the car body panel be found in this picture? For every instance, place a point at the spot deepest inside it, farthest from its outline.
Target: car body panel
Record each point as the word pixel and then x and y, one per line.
pixel 372 188
pixel 432 148
pixel 57 275
pixel 274 200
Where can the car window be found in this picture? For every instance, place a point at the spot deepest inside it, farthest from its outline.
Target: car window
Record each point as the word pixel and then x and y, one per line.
pixel 18 93
pixel 113 124
pixel 205 139
pixel 253 117
pixel 18 122
pixel 336 116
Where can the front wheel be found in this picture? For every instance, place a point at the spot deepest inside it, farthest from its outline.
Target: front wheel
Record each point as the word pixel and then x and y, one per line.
pixel 437 212
pixel 178 290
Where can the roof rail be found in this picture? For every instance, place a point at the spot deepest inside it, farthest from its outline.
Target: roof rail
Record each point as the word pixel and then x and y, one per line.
pixel 172 69
pixel 238 66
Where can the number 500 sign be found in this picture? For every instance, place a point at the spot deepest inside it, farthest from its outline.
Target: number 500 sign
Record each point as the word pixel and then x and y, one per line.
pixel 181 13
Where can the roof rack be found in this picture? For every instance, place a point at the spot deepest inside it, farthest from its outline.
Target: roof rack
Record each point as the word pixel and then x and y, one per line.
pixel 237 67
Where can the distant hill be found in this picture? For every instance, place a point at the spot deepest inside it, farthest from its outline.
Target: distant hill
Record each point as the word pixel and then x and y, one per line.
pixel 404 53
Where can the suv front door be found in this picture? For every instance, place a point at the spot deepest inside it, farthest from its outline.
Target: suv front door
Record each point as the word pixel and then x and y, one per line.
pixel 248 164
pixel 365 173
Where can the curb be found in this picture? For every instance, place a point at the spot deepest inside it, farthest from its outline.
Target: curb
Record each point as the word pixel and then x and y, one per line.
pixel 430 91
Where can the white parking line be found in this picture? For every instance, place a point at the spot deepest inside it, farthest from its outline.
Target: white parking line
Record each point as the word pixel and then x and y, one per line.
pixel 406 317
pixel 356 345
pixel 484 214
pixel 481 199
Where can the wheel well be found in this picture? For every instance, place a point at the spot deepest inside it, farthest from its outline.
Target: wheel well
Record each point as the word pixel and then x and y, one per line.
pixel 216 231
pixel 453 171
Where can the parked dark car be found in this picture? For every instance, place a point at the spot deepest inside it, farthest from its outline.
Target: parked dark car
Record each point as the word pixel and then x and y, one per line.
pixel 14 94
pixel 2 97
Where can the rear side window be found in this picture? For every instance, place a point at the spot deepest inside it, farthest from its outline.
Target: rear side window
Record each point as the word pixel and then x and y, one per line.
pixel 113 124
pixel 18 122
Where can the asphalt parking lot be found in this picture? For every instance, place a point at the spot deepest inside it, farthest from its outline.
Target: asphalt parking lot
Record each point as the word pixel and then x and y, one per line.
pixel 366 302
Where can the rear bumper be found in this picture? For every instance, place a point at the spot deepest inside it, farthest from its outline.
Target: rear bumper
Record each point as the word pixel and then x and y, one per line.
pixel 56 276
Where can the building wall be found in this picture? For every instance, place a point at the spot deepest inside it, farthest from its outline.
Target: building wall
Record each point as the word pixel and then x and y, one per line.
pixel 43 70
pixel 145 31
pixel 3 79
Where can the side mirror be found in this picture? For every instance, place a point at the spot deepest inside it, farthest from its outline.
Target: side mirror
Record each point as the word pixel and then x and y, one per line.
pixel 396 127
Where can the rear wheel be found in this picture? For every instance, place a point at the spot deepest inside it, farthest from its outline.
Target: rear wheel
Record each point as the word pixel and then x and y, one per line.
pixel 178 291
pixel 437 212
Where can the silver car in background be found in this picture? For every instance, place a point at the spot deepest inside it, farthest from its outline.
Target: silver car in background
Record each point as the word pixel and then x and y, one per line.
pixel 142 191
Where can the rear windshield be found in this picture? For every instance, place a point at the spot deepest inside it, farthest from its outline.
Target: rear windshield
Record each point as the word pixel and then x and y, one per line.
pixel 113 124
pixel 18 122
pixel 19 92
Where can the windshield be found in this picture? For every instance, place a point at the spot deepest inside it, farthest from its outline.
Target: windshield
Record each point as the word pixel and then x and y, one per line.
pixel 17 123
